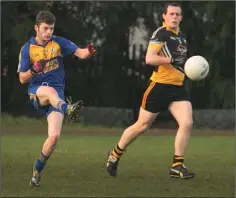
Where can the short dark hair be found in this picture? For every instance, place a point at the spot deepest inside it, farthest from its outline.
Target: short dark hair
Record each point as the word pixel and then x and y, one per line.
pixel 171 4
pixel 45 17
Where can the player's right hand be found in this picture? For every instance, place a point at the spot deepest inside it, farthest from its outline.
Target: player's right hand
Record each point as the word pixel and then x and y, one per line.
pixel 38 66
pixel 178 61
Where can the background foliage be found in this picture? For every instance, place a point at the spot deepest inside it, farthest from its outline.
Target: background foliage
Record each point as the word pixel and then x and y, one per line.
pixel 103 80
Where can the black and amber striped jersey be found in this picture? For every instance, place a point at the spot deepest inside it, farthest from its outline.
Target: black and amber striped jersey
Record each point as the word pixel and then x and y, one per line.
pixel 169 43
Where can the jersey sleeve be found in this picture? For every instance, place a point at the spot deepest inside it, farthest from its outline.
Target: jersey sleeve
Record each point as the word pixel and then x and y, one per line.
pixel 67 46
pixel 157 40
pixel 24 59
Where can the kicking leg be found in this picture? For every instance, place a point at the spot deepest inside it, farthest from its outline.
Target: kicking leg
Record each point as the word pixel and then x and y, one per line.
pixel 182 112
pixel 55 120
pixel 48 95
pixel 130 134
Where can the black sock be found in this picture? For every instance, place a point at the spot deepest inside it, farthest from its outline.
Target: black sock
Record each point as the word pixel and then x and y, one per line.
pixel 117 151
pixel 177 160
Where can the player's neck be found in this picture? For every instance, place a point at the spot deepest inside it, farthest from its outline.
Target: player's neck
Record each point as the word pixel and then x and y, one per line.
pixel 40 41
pixel 175 30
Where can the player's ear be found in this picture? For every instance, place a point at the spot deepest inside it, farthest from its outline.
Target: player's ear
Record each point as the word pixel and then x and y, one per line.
pixel 36 28
pixel 164 16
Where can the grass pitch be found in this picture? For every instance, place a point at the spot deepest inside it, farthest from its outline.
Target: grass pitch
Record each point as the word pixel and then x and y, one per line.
pixel 77 168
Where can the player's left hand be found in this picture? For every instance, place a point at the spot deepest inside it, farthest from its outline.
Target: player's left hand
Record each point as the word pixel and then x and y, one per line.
pixel 91 48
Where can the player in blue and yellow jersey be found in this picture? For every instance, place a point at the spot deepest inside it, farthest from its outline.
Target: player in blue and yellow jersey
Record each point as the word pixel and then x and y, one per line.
pixel 167 52
pixel 41 66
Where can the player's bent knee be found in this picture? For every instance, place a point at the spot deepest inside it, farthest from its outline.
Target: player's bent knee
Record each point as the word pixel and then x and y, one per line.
pixel 186 124
pixel 44 93
pixel 142 127
pixel 54 139
pixel 51 91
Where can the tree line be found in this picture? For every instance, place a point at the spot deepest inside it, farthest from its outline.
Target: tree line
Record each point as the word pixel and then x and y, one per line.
pixel 104 80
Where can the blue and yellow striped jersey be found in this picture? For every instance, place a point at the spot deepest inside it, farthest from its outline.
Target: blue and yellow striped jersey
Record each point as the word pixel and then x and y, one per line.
pixel 53 52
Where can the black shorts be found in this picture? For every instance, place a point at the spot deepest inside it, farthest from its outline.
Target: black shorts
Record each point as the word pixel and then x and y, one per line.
pixel 158 97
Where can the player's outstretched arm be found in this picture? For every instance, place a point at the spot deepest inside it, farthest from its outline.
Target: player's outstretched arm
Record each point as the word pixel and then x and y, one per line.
pixel 84 53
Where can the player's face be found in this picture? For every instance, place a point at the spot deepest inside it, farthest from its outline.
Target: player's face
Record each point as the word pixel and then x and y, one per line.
pixel 173 17
pixel 44 31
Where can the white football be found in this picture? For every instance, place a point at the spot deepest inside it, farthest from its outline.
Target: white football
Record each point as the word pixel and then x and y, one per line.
pixel 196 68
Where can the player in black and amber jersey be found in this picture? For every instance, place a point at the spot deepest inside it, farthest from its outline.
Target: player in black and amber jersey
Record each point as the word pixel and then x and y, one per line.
pixel 171 45
pixel 166 52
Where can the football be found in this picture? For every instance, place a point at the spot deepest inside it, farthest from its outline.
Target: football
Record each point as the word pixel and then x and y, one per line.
pixel 196 68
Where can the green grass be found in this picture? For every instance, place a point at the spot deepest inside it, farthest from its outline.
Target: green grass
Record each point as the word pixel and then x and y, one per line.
pixel 23 121
pixel 77 168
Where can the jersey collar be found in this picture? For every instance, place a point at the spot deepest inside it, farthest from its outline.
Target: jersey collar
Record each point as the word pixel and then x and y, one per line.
pixel 176 32
pixel 33 41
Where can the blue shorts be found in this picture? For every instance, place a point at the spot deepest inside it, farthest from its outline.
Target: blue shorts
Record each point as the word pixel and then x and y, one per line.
pixel 46 110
